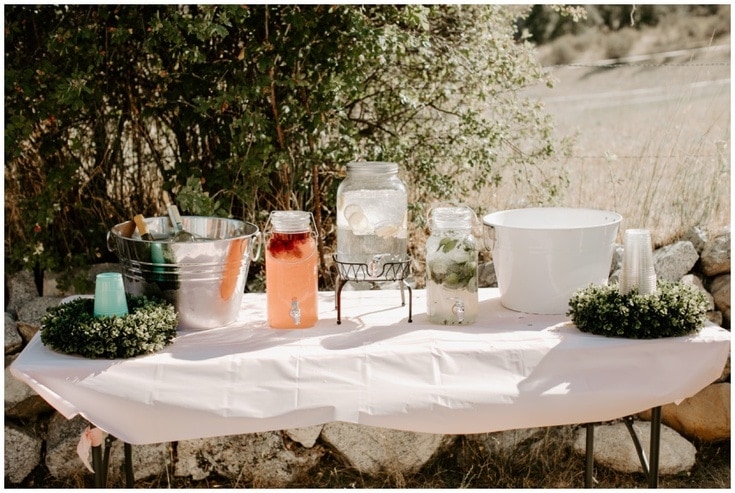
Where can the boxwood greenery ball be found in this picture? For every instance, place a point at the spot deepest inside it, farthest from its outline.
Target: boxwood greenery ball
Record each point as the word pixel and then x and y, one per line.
pixel 72 328
pixel 675 309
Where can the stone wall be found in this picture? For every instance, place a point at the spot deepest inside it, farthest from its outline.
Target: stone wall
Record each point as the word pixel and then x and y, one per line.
pixel 36 434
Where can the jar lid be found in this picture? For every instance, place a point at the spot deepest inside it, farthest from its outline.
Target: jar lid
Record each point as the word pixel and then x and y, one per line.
pixel 290 221
pixel 372 167
pixel 451 218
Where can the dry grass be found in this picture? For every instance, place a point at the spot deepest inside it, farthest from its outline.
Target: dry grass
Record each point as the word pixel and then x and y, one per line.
pixel 652 137
pixel 544 460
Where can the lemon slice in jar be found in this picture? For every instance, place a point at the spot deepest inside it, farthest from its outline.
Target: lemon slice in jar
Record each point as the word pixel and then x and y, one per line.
pixel 357 220
pixel 386 230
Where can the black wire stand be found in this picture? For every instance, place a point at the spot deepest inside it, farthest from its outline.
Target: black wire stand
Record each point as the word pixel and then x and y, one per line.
pixel 360 272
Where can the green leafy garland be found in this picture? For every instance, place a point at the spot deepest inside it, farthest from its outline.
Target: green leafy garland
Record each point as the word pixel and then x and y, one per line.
pixel 674 310
pixel 73 329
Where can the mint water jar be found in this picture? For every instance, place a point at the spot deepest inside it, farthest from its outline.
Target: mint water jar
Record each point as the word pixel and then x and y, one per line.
pixel 451 267
pixel 372 215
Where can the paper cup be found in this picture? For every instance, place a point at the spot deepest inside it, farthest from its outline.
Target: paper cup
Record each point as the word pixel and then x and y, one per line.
pixel 109 295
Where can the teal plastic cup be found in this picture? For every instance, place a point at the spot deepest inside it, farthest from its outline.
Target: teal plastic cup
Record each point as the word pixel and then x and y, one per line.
pixel 109 295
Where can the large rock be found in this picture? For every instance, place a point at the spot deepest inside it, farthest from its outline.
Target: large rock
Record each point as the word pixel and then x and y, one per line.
pixel 64 463
pixel 486 276
pixel 20 400
pixel 704 416
pixel 22 453
pixel 672 262
pixel 31 313
pixel 698 238
pixel 61 449
pixel 716 255
pixel 21 288
pixel 307 436
pixel 260 458
pixel 720 289
pixel 374 450
pixel 614 448
pixel 693 280
pixel 13 341
pixel 148 461
pixel 505 441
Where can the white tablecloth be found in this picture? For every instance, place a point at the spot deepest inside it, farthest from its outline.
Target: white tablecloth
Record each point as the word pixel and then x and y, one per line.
pixel 509 370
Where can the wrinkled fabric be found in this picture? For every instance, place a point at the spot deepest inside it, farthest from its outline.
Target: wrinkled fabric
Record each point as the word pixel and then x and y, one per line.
pixel 509 370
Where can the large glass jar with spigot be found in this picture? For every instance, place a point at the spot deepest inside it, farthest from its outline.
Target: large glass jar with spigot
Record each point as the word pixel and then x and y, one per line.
pixel 291 264
pixel 451 267
pixel 372 215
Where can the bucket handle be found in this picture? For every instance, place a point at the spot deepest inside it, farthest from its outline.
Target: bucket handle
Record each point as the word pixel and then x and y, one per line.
pixel 111 246
pixel 488 237
pixel 255 251
pixel 125 230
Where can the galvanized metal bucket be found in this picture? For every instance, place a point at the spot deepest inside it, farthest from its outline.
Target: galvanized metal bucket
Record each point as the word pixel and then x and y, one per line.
pixel 203 279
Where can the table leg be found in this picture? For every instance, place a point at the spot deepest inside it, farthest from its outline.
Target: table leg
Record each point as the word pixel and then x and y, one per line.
pixel 338 299
pixel 650 465
pixel 99 473
pixel 589 455
pixel 410 303
pixel 106 459
pixel 628 420
pixel 655 446
pixel 129 476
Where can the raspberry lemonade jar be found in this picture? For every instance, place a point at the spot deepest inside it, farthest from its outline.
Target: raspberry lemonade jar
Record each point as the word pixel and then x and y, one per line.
pixel 291 263
pixel 451 267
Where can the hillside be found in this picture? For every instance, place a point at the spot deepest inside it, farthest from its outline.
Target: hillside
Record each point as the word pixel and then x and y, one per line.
pixel 641 123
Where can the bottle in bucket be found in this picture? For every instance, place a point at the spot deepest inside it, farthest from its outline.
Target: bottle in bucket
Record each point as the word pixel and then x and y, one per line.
pixel 291 263
pixel 451 267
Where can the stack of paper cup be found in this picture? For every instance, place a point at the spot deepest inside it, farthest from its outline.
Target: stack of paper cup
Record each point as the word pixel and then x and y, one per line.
pixel 638 269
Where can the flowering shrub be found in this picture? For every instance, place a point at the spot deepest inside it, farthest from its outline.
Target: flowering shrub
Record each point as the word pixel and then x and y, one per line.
pixel 674 310
pixel 237 110
pixel 73 329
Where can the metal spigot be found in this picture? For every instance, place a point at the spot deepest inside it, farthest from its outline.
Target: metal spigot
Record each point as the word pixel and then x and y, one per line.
pixel 458 310
pixel 374 266
pixel 295 312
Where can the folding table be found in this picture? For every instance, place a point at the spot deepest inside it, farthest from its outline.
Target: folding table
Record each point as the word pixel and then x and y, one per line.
pixel 509 370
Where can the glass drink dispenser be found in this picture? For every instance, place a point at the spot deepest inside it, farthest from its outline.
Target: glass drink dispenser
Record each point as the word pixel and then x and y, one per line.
pixel 372 228
pixel 291 264
pixel 372 216
pixel 451 267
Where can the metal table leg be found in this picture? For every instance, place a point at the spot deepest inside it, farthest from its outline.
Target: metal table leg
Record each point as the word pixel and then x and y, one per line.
pixel 99 473
pixel 338 299
pixel 410 300
pixel 101 465
pixel 650 465
pixel 129 476
pixel 655 446
pixel 628 420
pixel 589 455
